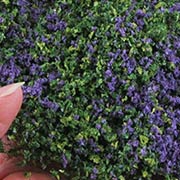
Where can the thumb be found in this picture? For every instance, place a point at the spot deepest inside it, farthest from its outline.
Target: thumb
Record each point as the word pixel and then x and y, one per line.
pixel 11 97
pixel 33 176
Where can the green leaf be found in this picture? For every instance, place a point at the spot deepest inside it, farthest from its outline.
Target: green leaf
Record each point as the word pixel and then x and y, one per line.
pixel 95 158
pixel 5 1
pixel 145 174
pixel 160 4
pixel 150 161
pixel 143 139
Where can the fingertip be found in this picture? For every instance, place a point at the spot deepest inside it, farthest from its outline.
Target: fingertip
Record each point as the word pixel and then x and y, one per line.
pixel 9 89
pixel 9 106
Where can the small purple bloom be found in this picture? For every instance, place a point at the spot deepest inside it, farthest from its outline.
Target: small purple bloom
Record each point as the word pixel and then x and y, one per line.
pixel 22 3
pixel 140 13
pixel 64 161
pixel 112 83
pixel 1 20
pixel 134 143
pixel 76 117
pixel 147 40
pixel 82 142
pixel 49 104
pixel 108 73
pixel 122 31
pixel 131 64
pixel 103 121
pixel 94 173
pixel 109 156
pixel 143 151
pixel 98 126
pixel 177 44
pixel 91 49
pixel 94 28
pixel 175 7
pixel 119 20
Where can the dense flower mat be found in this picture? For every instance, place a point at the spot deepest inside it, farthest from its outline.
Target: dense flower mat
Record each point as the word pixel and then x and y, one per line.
pixel 102 85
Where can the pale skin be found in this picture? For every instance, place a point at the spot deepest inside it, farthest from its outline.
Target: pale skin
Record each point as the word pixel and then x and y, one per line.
pixel 11 98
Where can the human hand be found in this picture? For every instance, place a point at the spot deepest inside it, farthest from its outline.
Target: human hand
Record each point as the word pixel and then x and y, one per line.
pixel 11 97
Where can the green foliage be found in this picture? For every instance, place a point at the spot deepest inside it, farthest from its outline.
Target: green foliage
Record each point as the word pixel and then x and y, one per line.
pixel 89 130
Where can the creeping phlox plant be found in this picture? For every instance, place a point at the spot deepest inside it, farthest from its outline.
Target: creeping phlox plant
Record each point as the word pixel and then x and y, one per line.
pixel 102 86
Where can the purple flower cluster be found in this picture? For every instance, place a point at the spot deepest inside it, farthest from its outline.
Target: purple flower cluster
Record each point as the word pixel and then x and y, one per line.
pixel 54 23
pixel 94 173
pixel 9 72
pixel 49 104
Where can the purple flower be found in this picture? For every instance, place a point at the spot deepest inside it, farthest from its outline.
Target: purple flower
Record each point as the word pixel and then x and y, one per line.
pixel 93 176
pixel 118 26
pixel 134 143
pixel 122 32
pixel 92 143
pixel 82 142
pixel 111 84
pixel 9 72
pixel 94 28
pixel 146 62
pixel 119 20
pixel 109 65
pixel 91 49
pixel 64 39
pixel 140 23
pixel 131 64
pixel 49 104
pixel 175 7
pixel 52 17
pixel 61 25
pixel 53 75
pixel 108 34
pixel 94 173
pixel 1 20
pixel 163 156
pixel 147 109
pixel 168 51
pixel 76 117
pixel 64 161
pixel 98 126
pixel 54 23
pixel 111 54
pixel 140 13
pixel 147 40
pixel 95 170
pixel 143 151
pixel 96 107
pixel 103 121
pixel 109 156
pixel 127 127
pixel 108 73
pixel 131 91
pixel 177 44
pixel 44 39
pixel 34 69
pixel 124 55
pixel 22 3
pixel 136 98
pixel 118 100
pixel 74 44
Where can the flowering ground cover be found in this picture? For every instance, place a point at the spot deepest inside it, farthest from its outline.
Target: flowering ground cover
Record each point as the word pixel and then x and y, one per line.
pixel 102 86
